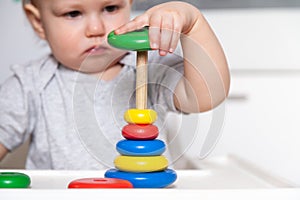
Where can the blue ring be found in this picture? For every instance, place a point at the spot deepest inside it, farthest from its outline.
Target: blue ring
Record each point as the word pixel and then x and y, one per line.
pixel 145 180
pixel 141 148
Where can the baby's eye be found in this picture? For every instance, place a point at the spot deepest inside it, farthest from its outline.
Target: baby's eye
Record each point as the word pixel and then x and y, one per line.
pixel 111 8
pixel 73 14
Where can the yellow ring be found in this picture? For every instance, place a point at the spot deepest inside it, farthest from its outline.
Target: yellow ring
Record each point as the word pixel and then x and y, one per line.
pixel 137 116
pixel 141 163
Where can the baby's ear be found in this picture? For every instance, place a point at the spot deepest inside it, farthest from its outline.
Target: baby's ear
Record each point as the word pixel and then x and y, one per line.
pixel 34 17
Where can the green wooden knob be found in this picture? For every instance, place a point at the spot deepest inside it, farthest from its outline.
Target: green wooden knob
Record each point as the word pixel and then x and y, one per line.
pixel 137 40
pixel 14 180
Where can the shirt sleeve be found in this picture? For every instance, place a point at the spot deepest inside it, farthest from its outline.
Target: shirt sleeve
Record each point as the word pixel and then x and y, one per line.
pixel 164 75
pixel 15 121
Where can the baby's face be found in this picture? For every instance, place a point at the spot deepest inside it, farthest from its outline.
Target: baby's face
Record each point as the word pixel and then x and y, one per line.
pixel 76 31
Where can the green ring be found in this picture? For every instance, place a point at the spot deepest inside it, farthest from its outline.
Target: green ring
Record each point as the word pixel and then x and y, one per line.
pixel 137 40
pixel 14 180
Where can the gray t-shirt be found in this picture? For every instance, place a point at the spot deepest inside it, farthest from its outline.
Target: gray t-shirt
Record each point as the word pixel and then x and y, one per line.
pixel 74 120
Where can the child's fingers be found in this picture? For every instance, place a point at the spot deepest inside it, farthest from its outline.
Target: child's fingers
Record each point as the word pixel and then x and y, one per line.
pixel 166 34
pixel 137 23
pixel 164 30
pixel 177 27
pixel 154 31
pixel 174 41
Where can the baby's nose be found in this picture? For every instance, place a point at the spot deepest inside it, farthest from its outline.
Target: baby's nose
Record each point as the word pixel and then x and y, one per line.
pixel 95 27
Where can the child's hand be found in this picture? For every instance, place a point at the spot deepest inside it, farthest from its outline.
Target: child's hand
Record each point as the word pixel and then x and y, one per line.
pixel 206 79
pixel 166 22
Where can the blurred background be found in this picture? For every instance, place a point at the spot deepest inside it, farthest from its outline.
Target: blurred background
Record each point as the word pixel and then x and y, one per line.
pixel 260 120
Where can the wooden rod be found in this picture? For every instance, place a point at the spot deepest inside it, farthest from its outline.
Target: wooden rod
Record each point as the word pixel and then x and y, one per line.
pixel 141 79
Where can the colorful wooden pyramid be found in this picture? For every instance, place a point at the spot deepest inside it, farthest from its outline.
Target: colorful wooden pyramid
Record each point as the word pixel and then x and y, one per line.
pixel 141 161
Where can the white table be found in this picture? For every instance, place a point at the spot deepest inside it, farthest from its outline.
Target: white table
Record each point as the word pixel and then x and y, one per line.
pixel 216 178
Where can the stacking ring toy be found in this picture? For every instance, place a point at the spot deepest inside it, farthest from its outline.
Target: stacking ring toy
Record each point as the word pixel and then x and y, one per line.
pixel 140 132
pixel 141 148
pixel 141 163
pixel 140 116
pixel 14 180
pixel 145 180
pixel 135 40
pixel 100 183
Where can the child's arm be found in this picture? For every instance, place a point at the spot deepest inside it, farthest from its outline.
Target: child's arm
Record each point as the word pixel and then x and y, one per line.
pixel 3 152
pixel 206 76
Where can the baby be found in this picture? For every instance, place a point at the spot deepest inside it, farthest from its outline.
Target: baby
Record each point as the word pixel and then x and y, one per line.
pixel 71 103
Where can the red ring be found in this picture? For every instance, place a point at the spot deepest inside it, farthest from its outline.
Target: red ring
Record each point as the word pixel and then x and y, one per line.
pixel 100 183
pixel 140 132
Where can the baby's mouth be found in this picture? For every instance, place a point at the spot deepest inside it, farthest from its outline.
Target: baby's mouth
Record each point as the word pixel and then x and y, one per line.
pixel 96 50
